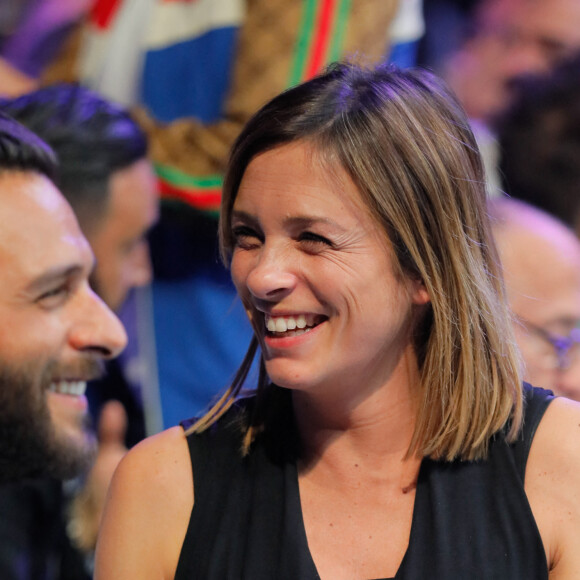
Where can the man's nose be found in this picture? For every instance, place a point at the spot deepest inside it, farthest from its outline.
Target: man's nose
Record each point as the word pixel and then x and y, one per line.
pixel 96 329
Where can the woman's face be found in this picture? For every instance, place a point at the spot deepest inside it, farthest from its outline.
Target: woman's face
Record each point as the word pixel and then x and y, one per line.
pixel 316 275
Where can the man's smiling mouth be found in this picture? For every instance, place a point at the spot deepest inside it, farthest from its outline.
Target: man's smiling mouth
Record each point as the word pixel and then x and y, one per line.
pixel 73 388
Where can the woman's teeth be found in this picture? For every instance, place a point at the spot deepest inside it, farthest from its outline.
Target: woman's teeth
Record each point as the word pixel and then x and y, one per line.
pixel 285 323
pixel 74 388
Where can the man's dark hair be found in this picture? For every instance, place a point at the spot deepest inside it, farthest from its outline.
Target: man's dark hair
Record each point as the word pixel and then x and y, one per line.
pixel 92 137
pixel 539 137
pixel 22 150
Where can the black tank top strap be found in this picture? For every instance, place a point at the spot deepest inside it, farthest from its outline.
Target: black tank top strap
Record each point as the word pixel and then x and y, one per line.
pixel 536 402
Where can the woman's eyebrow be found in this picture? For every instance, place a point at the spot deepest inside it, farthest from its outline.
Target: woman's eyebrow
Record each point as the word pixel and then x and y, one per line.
pixel 309 221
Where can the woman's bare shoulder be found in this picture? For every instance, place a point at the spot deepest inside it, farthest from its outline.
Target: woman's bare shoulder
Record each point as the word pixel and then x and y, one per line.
pixel 553 486
pixel 161 457
pixel 148 509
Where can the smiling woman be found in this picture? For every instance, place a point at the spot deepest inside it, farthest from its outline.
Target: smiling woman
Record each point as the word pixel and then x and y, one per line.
pixel 389 413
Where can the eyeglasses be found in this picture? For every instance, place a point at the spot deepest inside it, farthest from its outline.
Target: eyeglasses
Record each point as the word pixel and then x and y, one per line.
pixel 555 352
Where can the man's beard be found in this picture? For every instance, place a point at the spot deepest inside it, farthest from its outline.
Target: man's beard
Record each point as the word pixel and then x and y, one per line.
pixel 30 444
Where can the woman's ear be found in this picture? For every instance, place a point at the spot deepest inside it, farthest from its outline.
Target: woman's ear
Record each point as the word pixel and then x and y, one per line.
pixel 419 295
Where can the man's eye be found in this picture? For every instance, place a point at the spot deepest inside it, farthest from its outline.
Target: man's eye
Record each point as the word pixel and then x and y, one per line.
pixel 54 292
pixel 54 296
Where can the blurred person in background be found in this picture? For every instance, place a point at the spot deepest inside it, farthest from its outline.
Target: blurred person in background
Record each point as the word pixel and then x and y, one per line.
pixel 541 265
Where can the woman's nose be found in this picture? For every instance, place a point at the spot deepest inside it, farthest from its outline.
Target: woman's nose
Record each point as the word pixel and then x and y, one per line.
pixel 272 276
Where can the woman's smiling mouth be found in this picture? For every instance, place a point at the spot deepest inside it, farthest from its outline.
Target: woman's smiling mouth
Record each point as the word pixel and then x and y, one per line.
pixel 282 326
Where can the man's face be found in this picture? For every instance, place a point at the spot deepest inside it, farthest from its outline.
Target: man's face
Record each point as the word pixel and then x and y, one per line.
pixel 56 331
pixel 119 240
pixel 542 274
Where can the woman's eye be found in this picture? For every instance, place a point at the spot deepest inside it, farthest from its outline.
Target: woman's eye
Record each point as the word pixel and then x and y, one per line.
pixel 245 237
pixel 314 239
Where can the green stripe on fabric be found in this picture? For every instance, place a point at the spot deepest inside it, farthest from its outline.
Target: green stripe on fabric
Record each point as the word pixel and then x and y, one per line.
pixel 181 179
pixel 303 42
pixel 337 43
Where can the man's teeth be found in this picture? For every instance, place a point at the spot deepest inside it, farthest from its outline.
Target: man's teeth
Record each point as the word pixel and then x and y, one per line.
pixel 284 323
pixel 75 388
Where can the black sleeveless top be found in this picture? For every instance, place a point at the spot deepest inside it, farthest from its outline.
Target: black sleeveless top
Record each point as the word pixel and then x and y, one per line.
pixel 470 519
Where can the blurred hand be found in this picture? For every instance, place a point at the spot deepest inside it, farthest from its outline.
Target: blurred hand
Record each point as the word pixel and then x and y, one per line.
pixel 87 506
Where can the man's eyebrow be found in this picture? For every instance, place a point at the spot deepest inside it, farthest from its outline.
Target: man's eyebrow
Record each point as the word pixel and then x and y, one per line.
pixel 55 274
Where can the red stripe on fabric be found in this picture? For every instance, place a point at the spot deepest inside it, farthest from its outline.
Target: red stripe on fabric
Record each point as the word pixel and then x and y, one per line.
pixel 209 199
pixel 103 11
pixel 322 39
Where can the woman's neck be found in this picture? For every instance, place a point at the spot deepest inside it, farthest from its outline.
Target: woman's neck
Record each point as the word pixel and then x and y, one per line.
pixel 374 433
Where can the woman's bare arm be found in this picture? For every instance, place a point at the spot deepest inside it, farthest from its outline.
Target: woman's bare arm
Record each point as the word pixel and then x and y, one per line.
pixel 553 487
